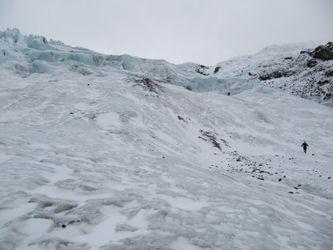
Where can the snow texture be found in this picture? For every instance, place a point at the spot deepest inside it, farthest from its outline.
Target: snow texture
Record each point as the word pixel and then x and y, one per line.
pixel 115 152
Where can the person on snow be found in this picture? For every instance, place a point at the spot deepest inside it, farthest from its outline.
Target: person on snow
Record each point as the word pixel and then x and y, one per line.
pixel 304 146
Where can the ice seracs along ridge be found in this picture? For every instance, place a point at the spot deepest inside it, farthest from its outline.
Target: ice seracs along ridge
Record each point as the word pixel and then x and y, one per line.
pixel 295 69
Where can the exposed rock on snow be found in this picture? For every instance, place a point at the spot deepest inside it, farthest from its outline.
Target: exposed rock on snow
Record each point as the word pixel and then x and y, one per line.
pixel 323 52
pixel 202 69
pixel 296 70
pixel 149 84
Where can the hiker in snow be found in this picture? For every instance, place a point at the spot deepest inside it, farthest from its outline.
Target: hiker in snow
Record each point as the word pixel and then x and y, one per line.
pixel 228 94
pixel 304 146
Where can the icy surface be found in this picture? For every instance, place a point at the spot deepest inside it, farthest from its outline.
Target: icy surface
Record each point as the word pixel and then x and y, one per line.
pixel 102 152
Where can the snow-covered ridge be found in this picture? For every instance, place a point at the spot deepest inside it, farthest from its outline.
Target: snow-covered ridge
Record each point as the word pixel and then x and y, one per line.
pixel 17 48
pixel 282 67
pixel 291 68
pixel 114 153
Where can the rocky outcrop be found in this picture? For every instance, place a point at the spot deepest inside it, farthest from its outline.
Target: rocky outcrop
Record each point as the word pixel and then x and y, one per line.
pixel 273 75
pixel 323 52
pixel 311 63
pixel 308 73
pixel 202 69
pixel 217 69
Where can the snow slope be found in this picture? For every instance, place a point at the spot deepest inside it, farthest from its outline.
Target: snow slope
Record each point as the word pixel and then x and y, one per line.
pixel 109 152
pixel 291 68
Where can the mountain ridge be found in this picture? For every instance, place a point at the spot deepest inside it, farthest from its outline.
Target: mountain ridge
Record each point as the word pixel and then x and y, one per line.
pixel 282 67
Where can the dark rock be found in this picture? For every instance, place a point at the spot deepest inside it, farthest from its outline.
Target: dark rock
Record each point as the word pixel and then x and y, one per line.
pixel 305 52
pixel 149 85
pixel 290 192
pixel 201 69
pixel 329 177
pixel 181 118
pixel 63 226
pixel 210 136
pixel 274 75
pixel 188 88
pixel 260 178
pixel 217 69
pixel 288 58
pixel 323 52
pixel 323 82
pixel 311 63
pixel 329 73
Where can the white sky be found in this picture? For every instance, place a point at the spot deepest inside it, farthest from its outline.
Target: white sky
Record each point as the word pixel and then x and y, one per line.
pixel 203 31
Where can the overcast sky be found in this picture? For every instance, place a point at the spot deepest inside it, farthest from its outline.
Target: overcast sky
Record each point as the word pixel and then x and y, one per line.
pixel 203 31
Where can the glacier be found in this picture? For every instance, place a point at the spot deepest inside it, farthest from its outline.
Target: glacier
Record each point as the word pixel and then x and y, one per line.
pixel 119 152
